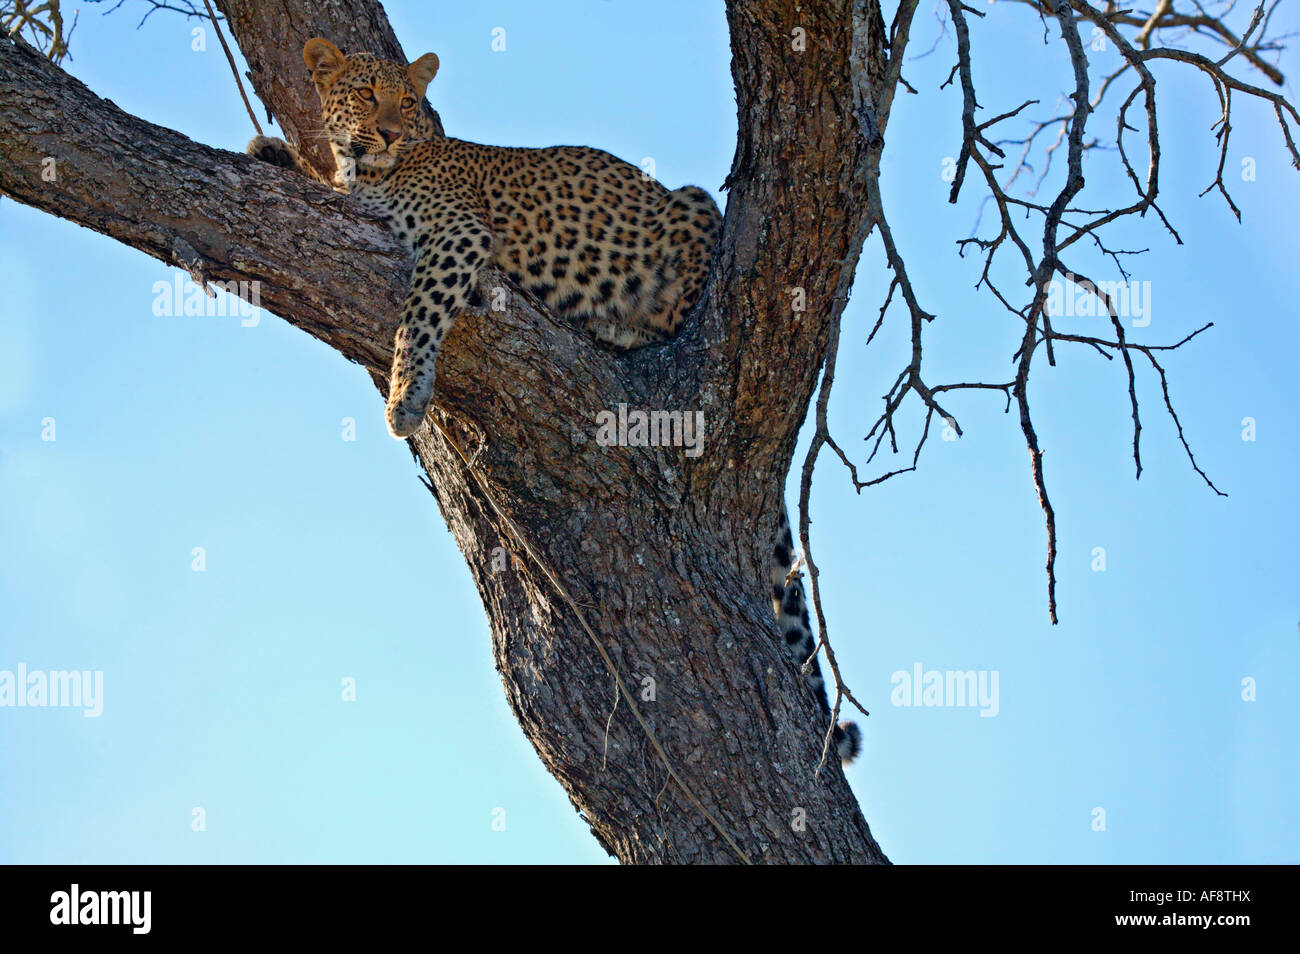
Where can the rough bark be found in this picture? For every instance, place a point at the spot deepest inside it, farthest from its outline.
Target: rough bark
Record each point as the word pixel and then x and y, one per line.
pixel 641 558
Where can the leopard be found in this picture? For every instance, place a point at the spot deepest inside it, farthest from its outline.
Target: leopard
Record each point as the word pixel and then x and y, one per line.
pixel 595 239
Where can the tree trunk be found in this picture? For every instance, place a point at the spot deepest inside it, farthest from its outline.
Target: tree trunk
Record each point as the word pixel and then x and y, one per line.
pixel 631 623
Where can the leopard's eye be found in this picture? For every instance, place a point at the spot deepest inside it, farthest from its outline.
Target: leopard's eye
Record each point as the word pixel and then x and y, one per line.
pixel 366 94
pixel 408 103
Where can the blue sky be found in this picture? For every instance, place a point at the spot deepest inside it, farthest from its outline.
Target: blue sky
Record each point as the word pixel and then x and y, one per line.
pixel 222 688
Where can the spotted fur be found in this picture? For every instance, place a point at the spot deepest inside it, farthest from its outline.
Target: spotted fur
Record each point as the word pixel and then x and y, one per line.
pixel 589 235
pixel 796 632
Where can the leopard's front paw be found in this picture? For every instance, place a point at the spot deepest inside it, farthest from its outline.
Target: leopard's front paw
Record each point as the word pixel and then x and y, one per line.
pixel 275 151
pixel 345 177
pixel 405 415
pixel 409 398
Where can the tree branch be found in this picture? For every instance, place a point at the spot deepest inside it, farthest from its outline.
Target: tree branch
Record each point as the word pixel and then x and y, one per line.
pixel 219 215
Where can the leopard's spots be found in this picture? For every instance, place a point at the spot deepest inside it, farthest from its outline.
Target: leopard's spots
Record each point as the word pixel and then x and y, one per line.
pixel 796 629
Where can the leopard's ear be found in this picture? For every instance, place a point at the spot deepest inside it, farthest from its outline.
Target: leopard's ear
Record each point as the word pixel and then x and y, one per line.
pixel 421 72
pixel 324 61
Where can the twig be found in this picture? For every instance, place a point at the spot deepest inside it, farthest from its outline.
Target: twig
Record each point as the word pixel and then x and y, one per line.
pixel 233 68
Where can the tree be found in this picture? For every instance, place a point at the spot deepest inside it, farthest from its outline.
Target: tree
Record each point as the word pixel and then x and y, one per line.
pixel 664 593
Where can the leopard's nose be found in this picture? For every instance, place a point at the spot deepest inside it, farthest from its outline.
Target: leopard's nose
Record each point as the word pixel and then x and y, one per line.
pixel 390 135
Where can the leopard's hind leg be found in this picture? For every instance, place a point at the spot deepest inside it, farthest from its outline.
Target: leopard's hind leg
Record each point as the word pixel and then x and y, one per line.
pixel 692 225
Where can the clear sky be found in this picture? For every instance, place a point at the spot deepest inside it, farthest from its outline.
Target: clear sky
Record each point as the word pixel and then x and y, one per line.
pixel 222 689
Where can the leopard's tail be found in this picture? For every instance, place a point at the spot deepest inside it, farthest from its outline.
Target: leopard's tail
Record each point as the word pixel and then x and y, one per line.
pixel 796 632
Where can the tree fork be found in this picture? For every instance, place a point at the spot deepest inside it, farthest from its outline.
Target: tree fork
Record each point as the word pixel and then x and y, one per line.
pixel 664 556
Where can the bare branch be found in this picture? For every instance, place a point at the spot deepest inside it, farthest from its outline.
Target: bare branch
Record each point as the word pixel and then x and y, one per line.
pixel 1062 219
pixel 40 23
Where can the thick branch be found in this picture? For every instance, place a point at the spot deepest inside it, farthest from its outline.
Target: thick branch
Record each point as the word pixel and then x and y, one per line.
pixel 798 200
pixel 216 214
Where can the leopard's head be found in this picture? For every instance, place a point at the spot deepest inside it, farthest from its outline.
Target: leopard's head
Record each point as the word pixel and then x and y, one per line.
pixel 369 106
